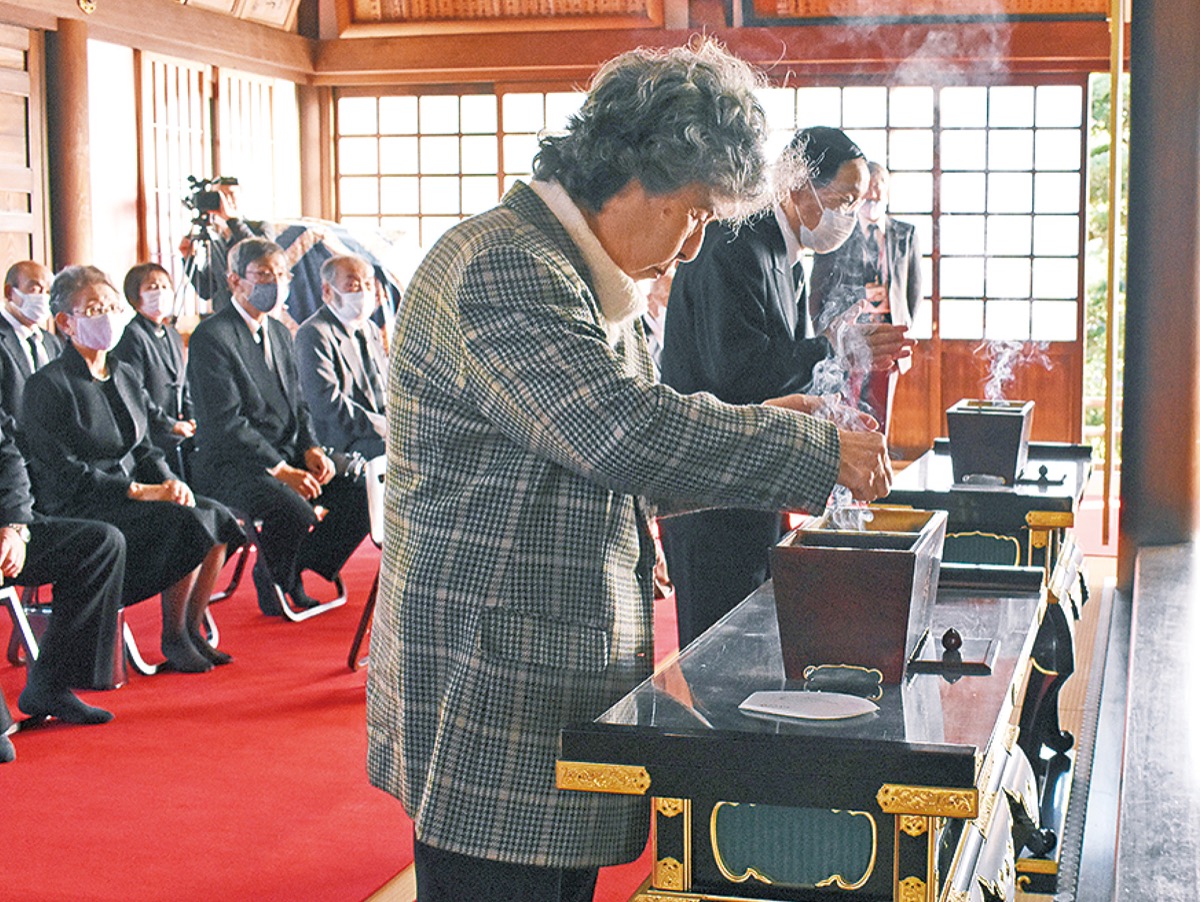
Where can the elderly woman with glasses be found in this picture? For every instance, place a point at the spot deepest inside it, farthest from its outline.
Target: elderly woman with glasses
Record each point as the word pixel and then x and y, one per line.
pixel 86 425
pixel 529 447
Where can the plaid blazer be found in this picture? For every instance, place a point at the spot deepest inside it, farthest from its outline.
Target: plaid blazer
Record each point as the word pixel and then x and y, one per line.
pixel 526 437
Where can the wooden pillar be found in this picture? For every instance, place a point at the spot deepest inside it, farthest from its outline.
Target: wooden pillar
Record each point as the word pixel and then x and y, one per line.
pixel 1160 460
pixel 316 151
pixel 69 146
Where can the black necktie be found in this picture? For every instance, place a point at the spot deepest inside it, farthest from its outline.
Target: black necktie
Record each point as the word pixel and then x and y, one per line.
pixel 36 352
pixel 371 370
pixel 874 272
pixel 261 338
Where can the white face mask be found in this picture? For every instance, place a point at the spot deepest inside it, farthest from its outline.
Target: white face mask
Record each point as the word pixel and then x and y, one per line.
pixel 100 333
pixel 158 302
pixel 831 232
pixel 34 307
pixel 353 307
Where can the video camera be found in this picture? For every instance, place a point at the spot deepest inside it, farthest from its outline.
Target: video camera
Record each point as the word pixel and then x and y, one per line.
pixel 202 198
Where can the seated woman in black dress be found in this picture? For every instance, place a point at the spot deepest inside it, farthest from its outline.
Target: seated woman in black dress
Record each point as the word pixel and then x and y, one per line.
pixel 86 422
pixel 154 350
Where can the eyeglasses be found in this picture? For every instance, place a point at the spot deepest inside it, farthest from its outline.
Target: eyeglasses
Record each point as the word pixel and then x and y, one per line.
pixel 92 310
pixel 263 276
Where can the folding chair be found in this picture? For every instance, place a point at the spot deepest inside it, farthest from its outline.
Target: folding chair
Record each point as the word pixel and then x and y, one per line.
pixel 30 615
pixel 282 605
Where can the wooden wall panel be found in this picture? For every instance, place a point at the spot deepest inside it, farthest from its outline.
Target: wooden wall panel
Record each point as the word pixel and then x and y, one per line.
pixel 412 17
pixel 1054 388
pixel 958 370
pixel 915 414
pixel 823 9
pixel 22 225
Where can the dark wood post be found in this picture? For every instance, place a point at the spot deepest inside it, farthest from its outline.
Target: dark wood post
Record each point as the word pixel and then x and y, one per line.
pixel 69 143
pixel 1160 454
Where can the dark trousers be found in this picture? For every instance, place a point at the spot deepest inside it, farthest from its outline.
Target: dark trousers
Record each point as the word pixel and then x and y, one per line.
pixel 715 558
pixel 85 562
pixel 292 538
pixel 449 877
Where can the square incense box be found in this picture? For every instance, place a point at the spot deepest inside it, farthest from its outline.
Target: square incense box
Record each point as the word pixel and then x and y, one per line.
pixel 989 440
pixel 858 598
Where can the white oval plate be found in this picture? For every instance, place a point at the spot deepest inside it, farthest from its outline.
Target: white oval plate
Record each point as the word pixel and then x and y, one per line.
pixel 807 705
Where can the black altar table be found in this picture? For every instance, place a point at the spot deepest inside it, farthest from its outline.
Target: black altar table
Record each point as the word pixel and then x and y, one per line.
pixel 1036 511
pixel 920 800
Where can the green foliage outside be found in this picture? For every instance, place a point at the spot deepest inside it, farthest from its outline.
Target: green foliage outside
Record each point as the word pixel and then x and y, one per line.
pixel 1096 259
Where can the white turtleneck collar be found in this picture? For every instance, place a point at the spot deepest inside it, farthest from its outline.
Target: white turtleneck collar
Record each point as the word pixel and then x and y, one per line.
pixel 620 297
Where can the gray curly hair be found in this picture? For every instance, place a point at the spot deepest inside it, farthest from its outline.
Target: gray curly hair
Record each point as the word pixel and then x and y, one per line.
pixel 668 118
pixel 72 280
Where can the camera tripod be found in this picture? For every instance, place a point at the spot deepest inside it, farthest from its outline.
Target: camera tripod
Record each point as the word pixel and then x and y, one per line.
pixel 199 270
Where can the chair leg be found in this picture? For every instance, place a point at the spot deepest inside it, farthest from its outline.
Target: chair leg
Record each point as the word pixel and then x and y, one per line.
pixel 235 578
pixel 295 615
pixel 210 628
pixel 23 636
pixel 134 654
pixel 364 623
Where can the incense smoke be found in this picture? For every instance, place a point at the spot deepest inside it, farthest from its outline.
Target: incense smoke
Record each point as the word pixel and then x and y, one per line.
pixel 833 382
pixel 1004 357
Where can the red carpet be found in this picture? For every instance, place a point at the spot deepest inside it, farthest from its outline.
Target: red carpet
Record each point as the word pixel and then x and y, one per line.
pixel 248 782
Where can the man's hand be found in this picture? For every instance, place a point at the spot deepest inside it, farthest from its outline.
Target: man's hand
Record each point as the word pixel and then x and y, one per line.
pixel 809 404
pixel 319 465
pixel 887 343
pixel 184 428
pixel 865 467
pixel 827 407
pixel 229 202
pixel 185 247
pixel 302 482
pixel 12 553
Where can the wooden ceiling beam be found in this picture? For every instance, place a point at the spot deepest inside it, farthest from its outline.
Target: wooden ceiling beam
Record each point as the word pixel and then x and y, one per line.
pixel 786 52
pixel 187 32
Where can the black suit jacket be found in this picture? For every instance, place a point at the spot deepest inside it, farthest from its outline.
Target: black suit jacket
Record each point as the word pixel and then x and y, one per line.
pixel 838 278
pixel 735 319
pixel 336 385
pixel 159 363
pixel 15 370
pixel 80 459
pixel 16 500
pixel 248 417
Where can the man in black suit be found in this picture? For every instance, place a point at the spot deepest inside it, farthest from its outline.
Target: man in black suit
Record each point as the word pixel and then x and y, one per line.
pixel 342 361
pixel 257 451
pixel 24 345
pixel 879 267
pixel 737 327
pixel 85 562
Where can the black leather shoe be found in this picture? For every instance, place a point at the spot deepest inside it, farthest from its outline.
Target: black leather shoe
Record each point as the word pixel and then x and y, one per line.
pixel 7 751
pixel 264 585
